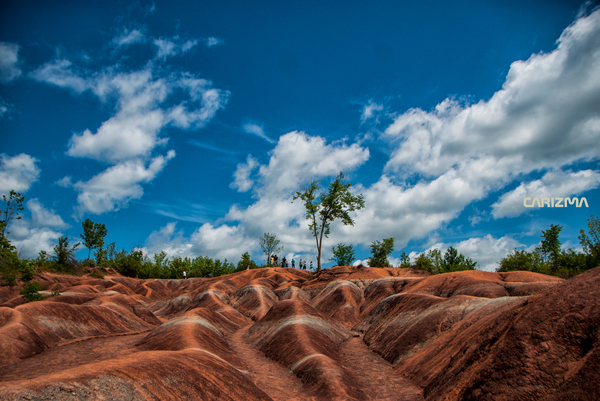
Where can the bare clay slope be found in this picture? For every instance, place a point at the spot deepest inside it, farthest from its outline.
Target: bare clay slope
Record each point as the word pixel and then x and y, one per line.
pixel 350 333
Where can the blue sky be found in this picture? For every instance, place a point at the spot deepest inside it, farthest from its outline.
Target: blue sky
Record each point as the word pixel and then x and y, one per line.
pixel 188 126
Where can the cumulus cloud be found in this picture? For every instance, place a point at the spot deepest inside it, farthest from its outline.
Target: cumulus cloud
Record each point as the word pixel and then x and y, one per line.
pixel 9 62
pixel 146 101
pixel 42 217
pixel 299 159
pixel 134 130
pixel 487 251
pixel 242 181
pixel 552 184
pixel 170 241
pixel 113 188
pixel 18 173
pixel 255 129
pixel 30 235
pixel 545 115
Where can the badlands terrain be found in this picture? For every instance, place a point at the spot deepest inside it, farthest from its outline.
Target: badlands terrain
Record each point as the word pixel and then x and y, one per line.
pixel 349 333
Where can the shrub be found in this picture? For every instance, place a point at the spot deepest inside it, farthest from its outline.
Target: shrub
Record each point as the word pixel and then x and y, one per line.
pixel 96 274
pixel 30 292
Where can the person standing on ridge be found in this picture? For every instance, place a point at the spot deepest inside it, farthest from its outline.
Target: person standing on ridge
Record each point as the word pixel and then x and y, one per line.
pixel 283 262
pixel 311 267
pixel 293 263
pixel 304 265
pixel 184 274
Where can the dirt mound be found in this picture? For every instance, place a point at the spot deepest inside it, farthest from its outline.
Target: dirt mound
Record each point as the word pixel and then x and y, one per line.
pixel 348 333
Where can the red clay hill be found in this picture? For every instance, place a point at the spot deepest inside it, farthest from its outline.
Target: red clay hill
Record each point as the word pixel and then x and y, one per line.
pixel 349 333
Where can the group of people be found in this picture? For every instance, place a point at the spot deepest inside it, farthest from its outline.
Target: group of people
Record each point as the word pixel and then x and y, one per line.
pixel 284 263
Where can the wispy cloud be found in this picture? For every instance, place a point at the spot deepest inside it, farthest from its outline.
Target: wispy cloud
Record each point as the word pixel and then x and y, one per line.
pixel 212 147
pixel 258 130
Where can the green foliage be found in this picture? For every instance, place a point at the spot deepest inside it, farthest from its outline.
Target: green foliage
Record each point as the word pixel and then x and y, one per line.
pixel 404 260
pixel 64 254
pixel 244 262
pixel 10 264
pixel 55 293
pixel 269 245
pixel 14 205
pixel 548 258
pixel 88 263
pixel 96 274
pixel 30 292
pixel 452 261
pixel 322 210
pixel 521 260
pixel 27 271
pixel 550 247
pixel 310 276
pixel 93 235
pixel 590 242
pixel 130 264
pixel 343 254
pixel 380 252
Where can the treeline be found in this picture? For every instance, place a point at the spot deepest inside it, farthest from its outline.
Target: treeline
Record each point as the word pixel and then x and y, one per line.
pixel 136 264
pixel 549 258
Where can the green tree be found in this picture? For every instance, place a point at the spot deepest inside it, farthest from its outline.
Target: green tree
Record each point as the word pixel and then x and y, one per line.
pixel 550 247
pixel 380 252
pixel 343 254
pixel 93 235
pixel 453 261
pixel 404 260
pixel 322 209
pixel 590 243
pixel 520 260
pixel 269 244
pixel 64 254
pixel 14 205
pixel 245 261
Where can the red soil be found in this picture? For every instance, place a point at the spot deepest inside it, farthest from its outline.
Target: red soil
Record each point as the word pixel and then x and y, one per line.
pixel 350 333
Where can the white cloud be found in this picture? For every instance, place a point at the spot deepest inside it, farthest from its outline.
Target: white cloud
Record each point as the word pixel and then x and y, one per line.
pixel 370 110
pixel 170 241
pixel 62 73
pixel 242 181
pixel 29 241
pixel 299 159
pixel 255 129
pixel 552 184
pixel 129 37
pixel 18 173
pixel 487 251
pixel 545 116
pixel 113 188
pixel 35 234
pixel 212 41
pixel 9 62
pixel 42 217
pixel 172 47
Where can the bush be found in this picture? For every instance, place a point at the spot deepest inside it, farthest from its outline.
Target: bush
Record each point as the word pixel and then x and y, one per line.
pixel 310 276
pixel 88 263
pixel 380 252
pixel 96 274
pixel 30 292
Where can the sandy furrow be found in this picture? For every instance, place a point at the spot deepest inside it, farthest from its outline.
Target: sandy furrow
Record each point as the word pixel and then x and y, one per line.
pixel 278 382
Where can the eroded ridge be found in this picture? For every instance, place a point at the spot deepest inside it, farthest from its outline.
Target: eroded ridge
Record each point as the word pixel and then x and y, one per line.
pixel 349 333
